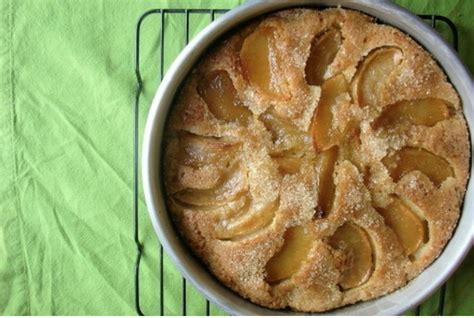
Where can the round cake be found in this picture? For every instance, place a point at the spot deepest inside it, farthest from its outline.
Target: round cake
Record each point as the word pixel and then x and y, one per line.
pixel 314 159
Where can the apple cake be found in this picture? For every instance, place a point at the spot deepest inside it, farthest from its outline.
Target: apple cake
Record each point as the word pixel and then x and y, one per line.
pixel 315 158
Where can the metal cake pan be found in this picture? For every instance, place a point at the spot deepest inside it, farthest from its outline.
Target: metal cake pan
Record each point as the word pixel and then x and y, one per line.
pixel 392 304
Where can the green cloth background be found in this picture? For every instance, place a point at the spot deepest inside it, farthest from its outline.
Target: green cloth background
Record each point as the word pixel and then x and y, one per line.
pixel 67 87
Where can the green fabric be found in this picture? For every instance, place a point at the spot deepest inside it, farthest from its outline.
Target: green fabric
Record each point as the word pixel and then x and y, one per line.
pixel 67 87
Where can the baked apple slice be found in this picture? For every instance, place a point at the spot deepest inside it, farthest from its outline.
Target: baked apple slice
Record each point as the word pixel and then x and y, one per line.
pixel 257 57
pixel 423 112
pixel 219 93
pixel 355 244
pixel 197 151
pixel 288 165
pixel 288 260
pixel 407 159
pixel 409 227
pixel 285 135
pixel 248 221
pixel 326 188
pixel 324 135
pixel 228 189
pixel 324 48
pixel 373 72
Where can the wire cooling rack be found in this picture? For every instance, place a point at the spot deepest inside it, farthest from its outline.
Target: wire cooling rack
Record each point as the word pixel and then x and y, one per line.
pixel 440 23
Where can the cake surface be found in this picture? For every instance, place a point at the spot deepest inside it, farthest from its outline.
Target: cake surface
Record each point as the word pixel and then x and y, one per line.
pixel 314 159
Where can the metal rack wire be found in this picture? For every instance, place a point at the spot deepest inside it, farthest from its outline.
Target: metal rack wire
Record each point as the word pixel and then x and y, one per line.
pixel 432 19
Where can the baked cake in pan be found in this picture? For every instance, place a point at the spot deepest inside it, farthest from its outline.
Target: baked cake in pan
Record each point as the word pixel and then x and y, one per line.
pixel 314 159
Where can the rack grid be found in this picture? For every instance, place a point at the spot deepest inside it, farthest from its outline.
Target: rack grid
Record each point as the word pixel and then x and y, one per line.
pixel 447 27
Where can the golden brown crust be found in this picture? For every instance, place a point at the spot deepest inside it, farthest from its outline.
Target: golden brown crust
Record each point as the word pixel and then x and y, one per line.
pixel 240 162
